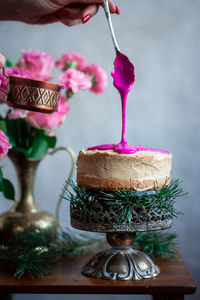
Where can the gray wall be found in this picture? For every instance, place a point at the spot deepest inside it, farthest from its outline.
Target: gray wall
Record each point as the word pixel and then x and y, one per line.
pixel 162 39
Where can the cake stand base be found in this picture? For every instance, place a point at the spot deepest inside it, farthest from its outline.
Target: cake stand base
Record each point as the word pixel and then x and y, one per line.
pixel 121 262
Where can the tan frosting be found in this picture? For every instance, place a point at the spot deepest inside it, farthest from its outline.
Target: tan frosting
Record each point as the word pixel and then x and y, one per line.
pixel 108 170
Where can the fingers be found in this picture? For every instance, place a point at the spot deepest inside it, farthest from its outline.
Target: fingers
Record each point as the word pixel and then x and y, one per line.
pixel 70 12
pixel 66 2
pixel 81 12
pixel 2 60
pixel 89 12
pixel 113 7
pixel 75 14
pixel 69 16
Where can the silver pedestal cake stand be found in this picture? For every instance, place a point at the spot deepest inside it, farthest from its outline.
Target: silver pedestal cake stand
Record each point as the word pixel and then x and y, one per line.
pixel 121 261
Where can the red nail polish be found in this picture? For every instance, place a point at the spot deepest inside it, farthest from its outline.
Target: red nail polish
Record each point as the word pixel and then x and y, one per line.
pixel 117 10
pixel 86 18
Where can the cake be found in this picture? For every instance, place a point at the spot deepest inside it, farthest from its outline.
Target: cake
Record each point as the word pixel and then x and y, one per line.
pixel 108 170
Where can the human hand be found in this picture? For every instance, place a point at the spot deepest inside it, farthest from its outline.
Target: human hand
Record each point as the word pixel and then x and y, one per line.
pixel 69 12
pixel 2 60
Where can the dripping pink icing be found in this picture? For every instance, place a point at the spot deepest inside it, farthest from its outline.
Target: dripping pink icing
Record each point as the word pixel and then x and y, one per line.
pixel 124 78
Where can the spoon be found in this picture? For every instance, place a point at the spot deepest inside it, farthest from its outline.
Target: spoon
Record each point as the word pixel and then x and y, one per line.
pixel 108 17
pixel 123 80
pixel 123 74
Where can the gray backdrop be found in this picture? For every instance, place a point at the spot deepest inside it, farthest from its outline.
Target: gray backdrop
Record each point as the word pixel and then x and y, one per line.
pixel 162 39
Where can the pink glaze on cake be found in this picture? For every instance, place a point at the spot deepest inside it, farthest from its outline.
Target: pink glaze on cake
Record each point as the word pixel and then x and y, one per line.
pixel 124 78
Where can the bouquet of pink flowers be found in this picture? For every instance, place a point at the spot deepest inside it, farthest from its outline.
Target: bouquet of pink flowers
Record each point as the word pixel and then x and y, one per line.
pixel 32 133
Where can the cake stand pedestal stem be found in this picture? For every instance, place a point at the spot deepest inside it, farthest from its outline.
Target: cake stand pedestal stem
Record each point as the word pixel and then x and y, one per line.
pixel 121 262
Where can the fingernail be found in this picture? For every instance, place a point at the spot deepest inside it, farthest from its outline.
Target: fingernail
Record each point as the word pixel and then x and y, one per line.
pixel 86 18
pixel 117 10
pixel 62 13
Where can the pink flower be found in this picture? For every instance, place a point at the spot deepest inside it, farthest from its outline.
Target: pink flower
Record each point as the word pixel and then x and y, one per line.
pixel 18 114
pixel 74 79
pixel 14 71
pixel 4 145
pixel 3 85
pixel 2 60
pixel 39 64
pixel 18 72
pixel 99 78
pixel 70 60
pixel 49 121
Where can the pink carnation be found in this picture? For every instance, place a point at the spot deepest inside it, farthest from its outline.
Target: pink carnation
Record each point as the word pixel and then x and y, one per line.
pixel 99 78
pixel 3 85
pixel 49 121
pixel 70 59
pixel 39 64
pixel 4 145
pixel 14 71
pixel 18 72
pixel 18 114
pixel 74 79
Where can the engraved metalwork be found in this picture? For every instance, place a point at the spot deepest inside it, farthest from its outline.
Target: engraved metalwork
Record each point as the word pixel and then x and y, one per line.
pixel 121 262
pixel 32 94
pixel 103 217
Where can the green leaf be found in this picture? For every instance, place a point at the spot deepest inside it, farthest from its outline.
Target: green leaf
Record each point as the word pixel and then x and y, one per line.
pixel 12 131
pixel 8 189
pixel 70 93
pixel 9 63
pixel 3 127
pixel 51 140
pixel 40 148
pixel 72 65
pixel 25 152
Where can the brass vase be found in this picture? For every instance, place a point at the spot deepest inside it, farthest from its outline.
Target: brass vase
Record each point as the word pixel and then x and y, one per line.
pixel 26 212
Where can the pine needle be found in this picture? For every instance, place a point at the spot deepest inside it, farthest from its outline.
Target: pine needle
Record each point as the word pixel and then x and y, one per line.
pixel 156 244
pixel 127 203
pixel 36 253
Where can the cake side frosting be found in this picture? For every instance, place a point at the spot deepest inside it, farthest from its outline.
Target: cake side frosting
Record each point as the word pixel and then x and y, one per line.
pixel 108 170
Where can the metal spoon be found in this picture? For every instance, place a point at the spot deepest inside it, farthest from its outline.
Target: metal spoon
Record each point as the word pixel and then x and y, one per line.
pixel 108 17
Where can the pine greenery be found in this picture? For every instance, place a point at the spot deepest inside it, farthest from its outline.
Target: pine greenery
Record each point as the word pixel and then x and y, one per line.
pixel 128 202
pixel 156 244
pixel 36 253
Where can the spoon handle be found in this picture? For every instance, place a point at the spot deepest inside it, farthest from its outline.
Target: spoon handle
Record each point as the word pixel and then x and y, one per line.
pixel 108 17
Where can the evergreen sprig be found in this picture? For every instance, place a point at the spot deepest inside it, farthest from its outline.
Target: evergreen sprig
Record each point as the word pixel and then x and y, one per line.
pixel 77 195
pixel 36 253
pixel 71 245
pixel 156 244
pixel 30 251
pixel 128 202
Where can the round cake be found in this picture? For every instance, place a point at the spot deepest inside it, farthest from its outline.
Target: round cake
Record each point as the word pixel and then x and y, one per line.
pixel 108 170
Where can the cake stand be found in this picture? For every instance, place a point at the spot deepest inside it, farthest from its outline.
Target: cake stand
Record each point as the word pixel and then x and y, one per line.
pixel 121 261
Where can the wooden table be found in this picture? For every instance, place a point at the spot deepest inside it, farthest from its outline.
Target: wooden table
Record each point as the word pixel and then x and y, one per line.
pixel 173 283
